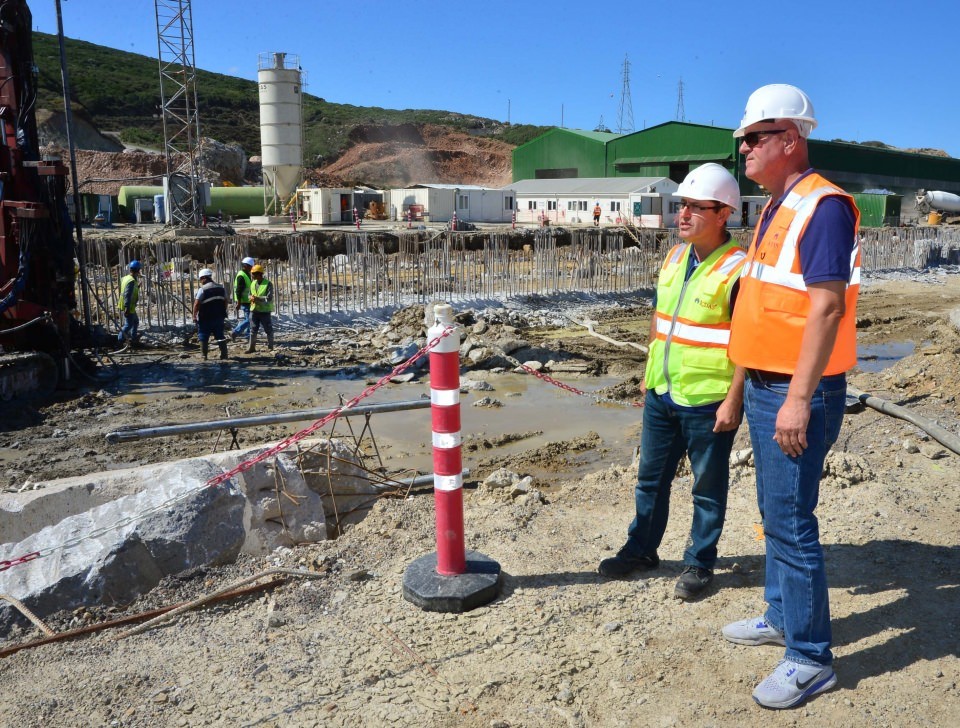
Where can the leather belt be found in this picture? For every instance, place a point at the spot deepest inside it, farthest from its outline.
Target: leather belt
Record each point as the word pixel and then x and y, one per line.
pixel 759 375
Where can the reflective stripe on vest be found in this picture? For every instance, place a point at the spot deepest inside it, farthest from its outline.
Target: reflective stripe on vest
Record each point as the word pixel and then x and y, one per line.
pixel 213 302
pixel 688 356
pixel 773 304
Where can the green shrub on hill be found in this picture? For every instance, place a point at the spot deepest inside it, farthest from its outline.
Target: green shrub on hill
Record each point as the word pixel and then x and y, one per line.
pixel 120 92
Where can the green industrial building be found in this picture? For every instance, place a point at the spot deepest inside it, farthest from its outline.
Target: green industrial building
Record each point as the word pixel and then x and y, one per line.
pixel 674 148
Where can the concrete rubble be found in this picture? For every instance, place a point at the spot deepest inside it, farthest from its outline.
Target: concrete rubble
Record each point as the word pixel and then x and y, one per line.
pixel 125 530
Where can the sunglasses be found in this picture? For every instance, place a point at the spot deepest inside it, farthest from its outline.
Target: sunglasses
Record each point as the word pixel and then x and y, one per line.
pixel 751 139
pixel 696 207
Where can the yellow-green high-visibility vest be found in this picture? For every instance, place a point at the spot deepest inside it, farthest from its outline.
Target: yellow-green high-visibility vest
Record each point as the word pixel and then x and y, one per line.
pixel 688 355
pixel 241 291
pixel 262 289
pixel 129 280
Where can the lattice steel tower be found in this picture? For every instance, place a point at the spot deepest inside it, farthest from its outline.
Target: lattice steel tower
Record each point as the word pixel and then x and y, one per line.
pixel 625 122
pixel 681 114
pixel 181 122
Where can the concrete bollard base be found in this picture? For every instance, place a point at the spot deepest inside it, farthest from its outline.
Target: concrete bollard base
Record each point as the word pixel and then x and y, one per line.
pixel 433 592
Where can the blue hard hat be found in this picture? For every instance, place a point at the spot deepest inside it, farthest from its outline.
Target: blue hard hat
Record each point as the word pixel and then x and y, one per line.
pixel 134 265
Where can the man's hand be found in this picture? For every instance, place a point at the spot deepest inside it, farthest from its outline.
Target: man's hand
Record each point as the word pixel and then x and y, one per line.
pixel 791 429
pixel 728 415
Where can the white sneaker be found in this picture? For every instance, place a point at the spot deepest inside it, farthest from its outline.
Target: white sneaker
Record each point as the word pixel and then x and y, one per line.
pixel 753 631
pixel 791 683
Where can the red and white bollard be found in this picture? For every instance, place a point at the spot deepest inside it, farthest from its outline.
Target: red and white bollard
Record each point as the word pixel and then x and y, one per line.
pixel 356 218
pixel 409 219
pixel 452 579
pixel 447 459
pixel 453 222
pixel 514 223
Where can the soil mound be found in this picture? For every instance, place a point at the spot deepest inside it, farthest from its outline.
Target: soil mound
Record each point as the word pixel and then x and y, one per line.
pixel 407 154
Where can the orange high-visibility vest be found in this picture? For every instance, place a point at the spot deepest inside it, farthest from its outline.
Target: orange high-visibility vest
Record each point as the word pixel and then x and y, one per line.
pixel 773 303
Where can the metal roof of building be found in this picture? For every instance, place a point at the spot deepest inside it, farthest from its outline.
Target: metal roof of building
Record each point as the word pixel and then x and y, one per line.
pixel 600 136
pixel 710 157
pixel 589 186
pixel 444 186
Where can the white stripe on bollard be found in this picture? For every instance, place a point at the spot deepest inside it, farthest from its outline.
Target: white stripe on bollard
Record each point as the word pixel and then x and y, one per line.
pixel 444 397
pixel 446 440
pixel 448 482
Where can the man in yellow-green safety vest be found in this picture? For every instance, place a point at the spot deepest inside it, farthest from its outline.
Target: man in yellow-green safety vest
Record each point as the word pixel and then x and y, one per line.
pixel 129 295
pixel 261 308
pixel 241 297
pixel 693 392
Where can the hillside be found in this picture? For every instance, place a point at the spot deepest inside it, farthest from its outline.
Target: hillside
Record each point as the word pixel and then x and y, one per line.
pixel 116 94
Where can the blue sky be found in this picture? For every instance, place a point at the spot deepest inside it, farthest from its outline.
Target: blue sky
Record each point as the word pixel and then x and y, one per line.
pixel 875 70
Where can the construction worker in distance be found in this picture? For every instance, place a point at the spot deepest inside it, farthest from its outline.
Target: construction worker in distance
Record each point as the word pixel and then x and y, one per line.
pixel 261 308
pixel 241 297
pixel 209 312
pixel 596 215
pixel 693 392
pixel 129 295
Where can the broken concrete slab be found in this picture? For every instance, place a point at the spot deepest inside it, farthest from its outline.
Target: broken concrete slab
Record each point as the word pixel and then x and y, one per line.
pixel 283 511
pixel 122 549
pixel 22 514
pixel 123 531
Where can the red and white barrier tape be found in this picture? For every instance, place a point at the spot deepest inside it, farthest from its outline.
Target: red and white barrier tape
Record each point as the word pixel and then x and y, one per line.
pixel 242 467
pixel 550 380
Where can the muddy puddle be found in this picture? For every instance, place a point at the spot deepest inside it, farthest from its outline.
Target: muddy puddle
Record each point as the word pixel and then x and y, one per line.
pixel 877 357
pixel 528 405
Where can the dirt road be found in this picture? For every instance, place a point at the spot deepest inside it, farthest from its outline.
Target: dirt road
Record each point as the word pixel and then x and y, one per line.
pixel 561 646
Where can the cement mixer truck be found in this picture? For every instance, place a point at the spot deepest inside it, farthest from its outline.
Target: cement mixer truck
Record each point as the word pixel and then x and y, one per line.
pixel 937 204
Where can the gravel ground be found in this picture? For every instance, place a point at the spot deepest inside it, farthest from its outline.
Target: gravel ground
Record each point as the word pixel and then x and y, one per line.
pixel 560 646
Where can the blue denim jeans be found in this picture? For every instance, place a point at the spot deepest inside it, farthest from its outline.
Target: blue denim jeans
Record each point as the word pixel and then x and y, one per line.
pixel 243 328
pixel 787 492
pixel 130 328
pixel 669 433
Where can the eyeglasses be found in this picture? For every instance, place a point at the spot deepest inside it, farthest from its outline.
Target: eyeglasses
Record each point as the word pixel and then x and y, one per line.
pixel 752 138
pixel 696 207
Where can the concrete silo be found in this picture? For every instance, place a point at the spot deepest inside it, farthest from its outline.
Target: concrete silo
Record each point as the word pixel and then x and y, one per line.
pixel 281 129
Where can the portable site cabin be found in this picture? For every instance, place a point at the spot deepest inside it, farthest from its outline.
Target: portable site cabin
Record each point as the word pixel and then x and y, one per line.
pixel 878 209
pixel 641 201
pixel 327 205
pixel 437 203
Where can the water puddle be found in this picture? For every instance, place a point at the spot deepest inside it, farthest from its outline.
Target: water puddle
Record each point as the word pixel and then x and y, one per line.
pixel 404 438
pixel 877 357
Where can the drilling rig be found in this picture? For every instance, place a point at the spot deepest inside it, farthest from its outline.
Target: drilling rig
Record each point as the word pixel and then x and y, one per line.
pixel 37 251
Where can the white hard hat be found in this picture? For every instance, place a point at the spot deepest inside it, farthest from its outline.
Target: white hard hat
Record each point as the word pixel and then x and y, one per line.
pixel 779 101
pixel 710 181
pixel 248 261
pixel 205 273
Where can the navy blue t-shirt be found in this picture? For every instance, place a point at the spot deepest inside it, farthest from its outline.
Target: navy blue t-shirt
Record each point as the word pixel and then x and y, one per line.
pixel 827 244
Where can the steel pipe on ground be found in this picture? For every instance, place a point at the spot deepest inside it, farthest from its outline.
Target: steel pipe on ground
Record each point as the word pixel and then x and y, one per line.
pixel 144 433
pixel 946 438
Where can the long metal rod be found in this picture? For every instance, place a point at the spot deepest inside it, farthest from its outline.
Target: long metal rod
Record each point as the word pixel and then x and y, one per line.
pixel 71 150
pixel 120 621
pixel 144 433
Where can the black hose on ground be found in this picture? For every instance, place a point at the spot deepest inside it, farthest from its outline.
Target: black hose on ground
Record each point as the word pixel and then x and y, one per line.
pixel 943 436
